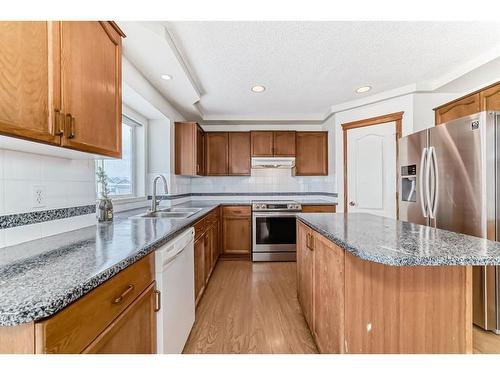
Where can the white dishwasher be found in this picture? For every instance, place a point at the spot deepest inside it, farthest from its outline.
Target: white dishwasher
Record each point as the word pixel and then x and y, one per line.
pixel 175 280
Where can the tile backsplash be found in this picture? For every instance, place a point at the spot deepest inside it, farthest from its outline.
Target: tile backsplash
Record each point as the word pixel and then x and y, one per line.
pixel 264 180
pixel 30 182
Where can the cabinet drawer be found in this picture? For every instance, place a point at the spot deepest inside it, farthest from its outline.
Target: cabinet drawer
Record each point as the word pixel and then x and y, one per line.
pixel 237 211
pixel 77 325
pixel 318 208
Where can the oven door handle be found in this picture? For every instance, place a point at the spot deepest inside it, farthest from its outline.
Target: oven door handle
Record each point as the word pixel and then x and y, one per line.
pixel 274 214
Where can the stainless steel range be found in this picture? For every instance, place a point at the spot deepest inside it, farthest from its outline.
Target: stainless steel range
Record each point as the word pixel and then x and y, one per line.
pixel 274 230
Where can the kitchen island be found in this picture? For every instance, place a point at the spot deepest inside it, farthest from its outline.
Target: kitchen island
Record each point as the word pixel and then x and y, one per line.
pixel 369 284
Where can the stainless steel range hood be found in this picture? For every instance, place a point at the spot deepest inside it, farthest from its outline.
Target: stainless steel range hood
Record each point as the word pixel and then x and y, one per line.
pixel 273 163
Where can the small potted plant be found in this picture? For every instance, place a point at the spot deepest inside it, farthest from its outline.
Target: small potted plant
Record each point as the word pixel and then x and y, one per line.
pixel 104 204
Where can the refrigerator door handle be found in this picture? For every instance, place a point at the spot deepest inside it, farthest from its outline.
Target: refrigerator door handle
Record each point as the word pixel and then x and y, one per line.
pixel 423 167
pixel 436 183
pixel 427 183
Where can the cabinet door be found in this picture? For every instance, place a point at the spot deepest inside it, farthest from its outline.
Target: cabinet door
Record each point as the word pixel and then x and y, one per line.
pixel 91 87
pixel 328 296
pixel 312 154
pixel 239 153
pixel 237 235
pixel 217 153
pixel 133 332
pixel 490 98
pixel 200 151
pixel 284 144
pixel 458 108
pixel 208 238
pixel 199 268
pixel 30 76
pixel 305 266
pixel 216 243
pixel 262 143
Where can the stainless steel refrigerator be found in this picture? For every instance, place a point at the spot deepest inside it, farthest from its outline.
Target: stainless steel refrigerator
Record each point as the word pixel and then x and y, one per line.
pixel 449 176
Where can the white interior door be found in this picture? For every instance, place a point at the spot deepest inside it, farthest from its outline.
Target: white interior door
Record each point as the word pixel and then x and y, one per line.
pixel 371 169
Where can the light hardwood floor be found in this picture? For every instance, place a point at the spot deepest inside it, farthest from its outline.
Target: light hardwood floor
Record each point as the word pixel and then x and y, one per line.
pixel 485 342
pixel 251 308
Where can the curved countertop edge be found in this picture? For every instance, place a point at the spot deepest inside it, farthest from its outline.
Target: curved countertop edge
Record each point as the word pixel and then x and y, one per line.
pixel 411 261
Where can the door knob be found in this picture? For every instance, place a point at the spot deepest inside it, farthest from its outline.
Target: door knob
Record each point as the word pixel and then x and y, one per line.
pixel 352 204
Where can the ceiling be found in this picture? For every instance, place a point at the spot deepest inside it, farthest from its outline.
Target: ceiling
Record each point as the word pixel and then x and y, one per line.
pixel 306 67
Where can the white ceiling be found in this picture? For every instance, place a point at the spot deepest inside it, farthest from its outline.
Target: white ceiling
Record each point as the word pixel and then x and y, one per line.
pixel 307 67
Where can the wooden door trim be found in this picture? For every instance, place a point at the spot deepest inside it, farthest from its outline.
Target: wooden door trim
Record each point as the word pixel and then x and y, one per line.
pixel 397 117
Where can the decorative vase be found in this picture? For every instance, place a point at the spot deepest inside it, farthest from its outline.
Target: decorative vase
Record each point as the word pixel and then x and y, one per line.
pixel 104 210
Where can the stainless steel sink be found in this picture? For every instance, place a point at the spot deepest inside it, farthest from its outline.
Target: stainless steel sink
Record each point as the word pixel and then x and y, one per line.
pixel 169 213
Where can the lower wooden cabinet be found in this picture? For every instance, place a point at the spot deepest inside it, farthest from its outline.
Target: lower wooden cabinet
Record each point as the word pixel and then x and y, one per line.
pixel 305 268
pixel 317 208
pixel 116 317
pixel 328 296
pixel 237 231
pixel 206 251
pixel 133 332
pixel 320 288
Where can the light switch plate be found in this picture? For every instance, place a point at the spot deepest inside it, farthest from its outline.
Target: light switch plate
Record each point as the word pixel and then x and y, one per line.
pixel 38 196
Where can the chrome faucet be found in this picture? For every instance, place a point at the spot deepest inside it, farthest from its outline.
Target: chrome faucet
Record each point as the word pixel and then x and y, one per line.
pixel 154 201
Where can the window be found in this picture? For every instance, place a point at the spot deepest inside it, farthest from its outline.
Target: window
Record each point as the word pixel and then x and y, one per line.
pixel 122 173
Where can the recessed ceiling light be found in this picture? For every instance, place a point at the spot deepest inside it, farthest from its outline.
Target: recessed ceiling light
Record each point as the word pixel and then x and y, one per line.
pixel 363 89
pixel 258 88
pixel 166 77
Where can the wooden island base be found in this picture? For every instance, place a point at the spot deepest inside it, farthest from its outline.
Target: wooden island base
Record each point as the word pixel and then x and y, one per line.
pixel 357 306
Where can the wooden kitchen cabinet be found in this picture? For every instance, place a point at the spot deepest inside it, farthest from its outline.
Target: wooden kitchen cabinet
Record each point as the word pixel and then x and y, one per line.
pixel 284 143
pixel 311 154
pixel 217 156
pixel 206 251
pixel 318 208
pixel 273 143
pixel 133 332
pixel 239 154
pixel 305 269
pixel 91 87
pixel 236 231
pixel 328 295
pixel 62 84
pixel 485 99
pixel 101 321
pixel 262 143
pixel 189 149
pixel 29 88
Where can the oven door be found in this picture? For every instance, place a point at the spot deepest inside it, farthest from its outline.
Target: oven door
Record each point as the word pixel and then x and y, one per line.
pixel 274 231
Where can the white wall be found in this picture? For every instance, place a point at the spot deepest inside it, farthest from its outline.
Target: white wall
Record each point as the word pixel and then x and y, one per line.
pixel 423 105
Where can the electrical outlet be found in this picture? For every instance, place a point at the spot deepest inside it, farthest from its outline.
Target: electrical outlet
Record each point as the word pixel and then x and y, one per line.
pixel 38 196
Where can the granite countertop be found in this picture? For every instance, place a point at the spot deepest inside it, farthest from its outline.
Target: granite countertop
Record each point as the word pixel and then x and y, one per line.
pixel 398 243
pixel 41 277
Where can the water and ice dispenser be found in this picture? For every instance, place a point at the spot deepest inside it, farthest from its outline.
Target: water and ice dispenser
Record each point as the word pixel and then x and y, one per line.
pixel 409 183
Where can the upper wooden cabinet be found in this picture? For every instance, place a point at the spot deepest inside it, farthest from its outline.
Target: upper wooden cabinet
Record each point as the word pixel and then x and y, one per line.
pixel 29 87
pixel 486 99
pixel 311 154
pixel 91 87
pixel 273 143
pixel 189 149
pixel 239 154
pixel 459 108
pixel 284 143
pixel 62 84
pixel 216 144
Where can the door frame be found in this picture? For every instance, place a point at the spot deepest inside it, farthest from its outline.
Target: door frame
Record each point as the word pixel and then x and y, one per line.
pixel 397 117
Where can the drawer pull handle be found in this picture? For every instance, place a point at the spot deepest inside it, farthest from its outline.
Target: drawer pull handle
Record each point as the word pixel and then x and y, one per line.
pixel 157 300
pixel 122 296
